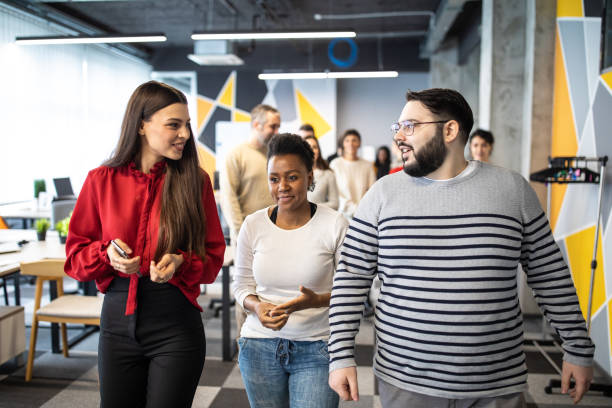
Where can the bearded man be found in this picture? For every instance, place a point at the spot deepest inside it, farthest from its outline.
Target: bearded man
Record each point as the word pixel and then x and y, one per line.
pixel 445 237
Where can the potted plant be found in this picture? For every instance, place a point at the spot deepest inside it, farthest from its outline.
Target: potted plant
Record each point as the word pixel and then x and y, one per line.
pixel 62 229
pixel 39 186
pixel 42 225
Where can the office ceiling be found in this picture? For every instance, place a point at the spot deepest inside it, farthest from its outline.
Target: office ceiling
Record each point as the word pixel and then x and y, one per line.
pixel 390 33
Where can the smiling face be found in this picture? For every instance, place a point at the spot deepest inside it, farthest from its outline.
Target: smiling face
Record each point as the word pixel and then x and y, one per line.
pixel 480 149
pixel 164 135
pixel 350 146
pixel 424 151
pixel 288 181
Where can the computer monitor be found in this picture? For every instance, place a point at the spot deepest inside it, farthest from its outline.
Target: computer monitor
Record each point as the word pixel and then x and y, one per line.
pixel 63 188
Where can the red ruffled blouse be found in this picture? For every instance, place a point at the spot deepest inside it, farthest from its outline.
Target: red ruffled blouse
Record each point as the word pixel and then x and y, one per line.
pixel 125 203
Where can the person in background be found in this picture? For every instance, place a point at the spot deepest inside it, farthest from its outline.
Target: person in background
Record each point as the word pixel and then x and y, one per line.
pixel 354 176
pixel 306 130
pixel 383 162
pixel 446 237
pixel 337 154
pixel 285 261
pixel 152 199
pixel 244 183
pixel 324 189
pixel 481 145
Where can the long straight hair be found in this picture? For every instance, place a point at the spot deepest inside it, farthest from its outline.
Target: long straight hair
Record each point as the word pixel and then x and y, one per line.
pixel 182 221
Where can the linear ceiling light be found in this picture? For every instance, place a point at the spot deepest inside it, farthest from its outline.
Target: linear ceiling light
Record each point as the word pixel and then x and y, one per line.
pixel 325 75
pixel 273 35
pixel 90 39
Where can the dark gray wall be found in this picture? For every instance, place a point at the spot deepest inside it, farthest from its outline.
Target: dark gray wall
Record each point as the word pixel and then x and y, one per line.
pixel 371 105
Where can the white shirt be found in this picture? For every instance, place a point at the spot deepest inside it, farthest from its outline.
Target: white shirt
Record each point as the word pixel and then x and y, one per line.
pixel 272 263
pixel 354 178
pixel 325 191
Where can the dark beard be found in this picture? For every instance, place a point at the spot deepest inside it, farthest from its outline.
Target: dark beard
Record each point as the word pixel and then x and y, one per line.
pixel 429 158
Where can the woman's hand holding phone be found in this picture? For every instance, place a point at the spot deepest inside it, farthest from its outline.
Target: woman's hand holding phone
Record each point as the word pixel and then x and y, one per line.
pixel 119 256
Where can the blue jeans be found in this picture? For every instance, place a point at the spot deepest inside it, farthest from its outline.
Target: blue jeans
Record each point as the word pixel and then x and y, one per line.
pixel 281 373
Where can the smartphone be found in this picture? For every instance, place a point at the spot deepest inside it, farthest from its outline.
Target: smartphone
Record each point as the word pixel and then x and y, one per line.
pixel 123 254
pixel 120 250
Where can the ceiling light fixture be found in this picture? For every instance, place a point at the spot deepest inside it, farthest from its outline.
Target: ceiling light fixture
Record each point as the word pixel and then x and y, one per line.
pixel 326 75
pixel 90 39
pixel 291 35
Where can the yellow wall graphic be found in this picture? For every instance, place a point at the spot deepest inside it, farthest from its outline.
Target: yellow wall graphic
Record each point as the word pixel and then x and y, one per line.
pixel 207 161
pixel 238 116
pixel 569 8
pixel 308 114
pixel 580 253
pixel 607 77
pixel 204 108
pixel 226 97
pixel 564 141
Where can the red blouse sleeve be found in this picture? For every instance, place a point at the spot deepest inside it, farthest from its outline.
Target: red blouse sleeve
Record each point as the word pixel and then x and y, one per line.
pixel 194 270
pixel 86 257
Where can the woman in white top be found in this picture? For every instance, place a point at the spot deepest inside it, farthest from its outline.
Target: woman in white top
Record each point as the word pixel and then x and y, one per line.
pixel 285 261
pixel 325 191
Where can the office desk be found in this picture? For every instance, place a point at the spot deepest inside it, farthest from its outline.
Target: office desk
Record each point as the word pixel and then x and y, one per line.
pixel 33 251
pixel 27 211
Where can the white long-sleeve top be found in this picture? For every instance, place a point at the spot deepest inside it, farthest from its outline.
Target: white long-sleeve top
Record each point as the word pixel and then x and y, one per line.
pixel 325 191
pixel 271 263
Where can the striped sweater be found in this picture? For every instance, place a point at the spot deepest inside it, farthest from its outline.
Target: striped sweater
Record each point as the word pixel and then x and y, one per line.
pixel 448 321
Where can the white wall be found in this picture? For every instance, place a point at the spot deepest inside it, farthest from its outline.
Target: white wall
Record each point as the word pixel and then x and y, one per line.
pixel 371 105
pixel 61 106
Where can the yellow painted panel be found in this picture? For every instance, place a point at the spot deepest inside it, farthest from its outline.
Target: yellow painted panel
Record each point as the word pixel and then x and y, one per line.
pixel 564 140
pixel 607 77
pixel 238 116
pixel 204 108
pixel 308 114
pixel 207 161
pixel 610 322
pixel 580 253
pixel 569 8
pixel 226 96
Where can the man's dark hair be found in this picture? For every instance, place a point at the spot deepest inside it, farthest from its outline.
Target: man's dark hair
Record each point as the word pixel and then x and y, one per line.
pixel 484 135
pixel 287 143
pixel 446 104
pixel 350 132
pixel 307 127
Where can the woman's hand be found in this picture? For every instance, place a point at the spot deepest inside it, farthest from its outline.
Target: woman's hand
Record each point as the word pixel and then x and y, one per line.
pixel 308 299
pixel 128 266
pixel 262 309
pixel 165 269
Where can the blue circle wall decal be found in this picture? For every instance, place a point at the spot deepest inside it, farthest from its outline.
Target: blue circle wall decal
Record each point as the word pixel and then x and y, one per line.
pixel 352 58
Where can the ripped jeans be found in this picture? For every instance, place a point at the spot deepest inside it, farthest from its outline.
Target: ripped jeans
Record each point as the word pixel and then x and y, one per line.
pixel 281 373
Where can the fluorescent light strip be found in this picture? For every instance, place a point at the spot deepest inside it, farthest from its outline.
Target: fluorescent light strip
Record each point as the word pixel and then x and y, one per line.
pixel 325 75
pixel 273 36
pixel 88 40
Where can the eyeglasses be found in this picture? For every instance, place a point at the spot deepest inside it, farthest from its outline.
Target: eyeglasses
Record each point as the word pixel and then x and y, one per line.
pixel 407 126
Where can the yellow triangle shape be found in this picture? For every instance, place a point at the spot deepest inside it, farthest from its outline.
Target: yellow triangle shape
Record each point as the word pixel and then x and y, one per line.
pixel 207 160
pixel 240 116
pixel 308 114
pixel 204 108
pixel 226 97
pixel 580 253
pixel 607 77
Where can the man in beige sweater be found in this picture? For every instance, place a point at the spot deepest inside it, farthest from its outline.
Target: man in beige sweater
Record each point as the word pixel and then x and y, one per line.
pixel 244 181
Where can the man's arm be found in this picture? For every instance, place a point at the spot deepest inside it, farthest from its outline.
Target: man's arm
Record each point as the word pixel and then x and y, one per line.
pixel 356 269
pixel 550 279
pixel 229 186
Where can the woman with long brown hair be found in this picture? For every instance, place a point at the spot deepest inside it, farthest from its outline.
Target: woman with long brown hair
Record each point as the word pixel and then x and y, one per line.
pixel 145 228
pixel 324 190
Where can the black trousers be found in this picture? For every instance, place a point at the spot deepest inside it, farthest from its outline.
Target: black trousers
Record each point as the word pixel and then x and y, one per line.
pixel 155 357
